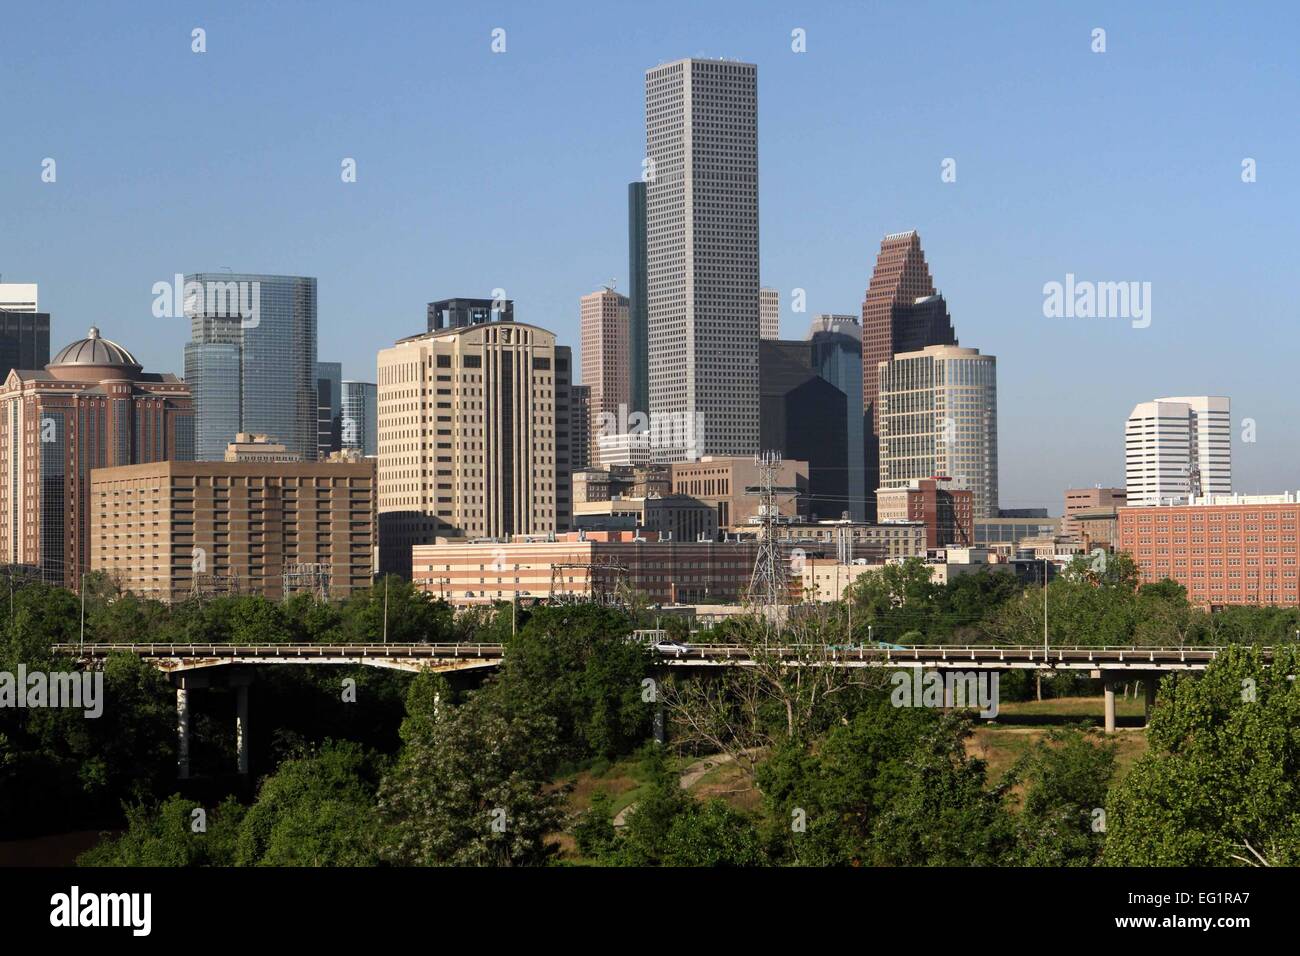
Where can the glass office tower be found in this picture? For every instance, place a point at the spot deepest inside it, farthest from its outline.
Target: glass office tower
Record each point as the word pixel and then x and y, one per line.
pixel 360 428
pixel 837 357
pixel 329 408
pixel 271 322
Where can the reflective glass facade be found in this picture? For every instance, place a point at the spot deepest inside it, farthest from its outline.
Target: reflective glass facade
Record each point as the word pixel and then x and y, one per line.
pixel 277 354
pixel 360 426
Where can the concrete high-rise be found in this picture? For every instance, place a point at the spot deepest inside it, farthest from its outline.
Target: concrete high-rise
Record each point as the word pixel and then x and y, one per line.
pixel 1176 447
pixel 251 359
pixel 603 320
pixel 939 418
pixel 360 426
pixel 769 313
pixel 900 313
pixel 837 357
pixel 638 309
pixel 702 251
pixel 167 530
pixel 92 407
pixel 473 437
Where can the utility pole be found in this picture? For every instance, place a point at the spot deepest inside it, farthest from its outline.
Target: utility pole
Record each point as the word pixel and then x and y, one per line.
pixel 385 608
pixel 767 585
pixel 83 613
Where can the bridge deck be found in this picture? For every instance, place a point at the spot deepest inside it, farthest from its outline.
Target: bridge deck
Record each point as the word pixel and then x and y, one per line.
pixel 172 657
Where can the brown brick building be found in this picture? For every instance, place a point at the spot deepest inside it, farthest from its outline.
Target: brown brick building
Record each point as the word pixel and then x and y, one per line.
pixel 1223 553
pixel 162 529
pixel 946 512
pixel 92 407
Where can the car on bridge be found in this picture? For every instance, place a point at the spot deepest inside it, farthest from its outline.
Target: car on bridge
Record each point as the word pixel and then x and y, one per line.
pixel 672 648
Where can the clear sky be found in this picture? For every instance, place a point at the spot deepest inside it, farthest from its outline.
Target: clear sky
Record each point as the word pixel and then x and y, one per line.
pixel 478 170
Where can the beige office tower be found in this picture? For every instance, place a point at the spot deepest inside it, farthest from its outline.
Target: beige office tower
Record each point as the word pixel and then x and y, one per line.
pixel 769 314
pixel 606 365
pixel 473 437
pixel 939 419
pixel 701 171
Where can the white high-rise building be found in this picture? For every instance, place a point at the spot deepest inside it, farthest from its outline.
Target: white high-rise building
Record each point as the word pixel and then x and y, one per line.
pixel 939 419
pixel 701 175
pixel 769 313
pixel 1176 447
pixel 18 297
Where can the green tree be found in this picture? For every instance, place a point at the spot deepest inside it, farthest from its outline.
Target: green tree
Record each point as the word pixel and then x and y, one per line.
pixel 474 790
pixel 315 810
pixel 943 814
pixel 1222 777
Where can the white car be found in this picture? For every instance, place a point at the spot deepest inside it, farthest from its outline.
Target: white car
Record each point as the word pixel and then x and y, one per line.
pixel 674 648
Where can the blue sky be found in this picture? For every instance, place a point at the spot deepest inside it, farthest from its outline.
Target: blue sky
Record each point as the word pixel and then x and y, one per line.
pixel 479 170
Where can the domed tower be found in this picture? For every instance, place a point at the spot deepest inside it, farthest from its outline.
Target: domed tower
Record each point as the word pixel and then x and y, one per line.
pixel 94 357
pixel 92 407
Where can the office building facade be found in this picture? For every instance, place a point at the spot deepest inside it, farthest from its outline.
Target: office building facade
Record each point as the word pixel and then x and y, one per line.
pixel 938 415
pixel 901 312
pixel 329 408
pixel 837 357
pixel 1175 448
pixel 171 530
pixel 251 359
pixel 93 406
pixel 1224 549
pixel 473 437
pixel 702 251
pixel 804 417
pixel 360 425
pixel 945 511
pixel 606 365
pixel 638 306
pixel 769 313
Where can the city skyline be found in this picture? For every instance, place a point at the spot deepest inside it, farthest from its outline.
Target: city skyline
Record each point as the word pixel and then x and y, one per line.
pixel 1213 247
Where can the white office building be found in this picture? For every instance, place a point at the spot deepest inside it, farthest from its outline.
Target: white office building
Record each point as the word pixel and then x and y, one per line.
pixel 1175 448
pixel 18 297
pixel 701 171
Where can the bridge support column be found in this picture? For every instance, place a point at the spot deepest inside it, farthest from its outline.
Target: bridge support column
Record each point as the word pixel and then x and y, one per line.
pixel 1109 688
pixel 240 680
pixel 182 728
pixel 1149 684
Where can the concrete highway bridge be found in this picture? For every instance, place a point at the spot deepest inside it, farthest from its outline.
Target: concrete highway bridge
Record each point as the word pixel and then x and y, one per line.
pixel 195 666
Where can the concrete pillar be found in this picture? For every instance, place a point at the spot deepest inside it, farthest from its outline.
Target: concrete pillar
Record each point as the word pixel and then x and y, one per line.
pixel 241 726
pixel 1110 706
pixel 1150 682
pixel 182 729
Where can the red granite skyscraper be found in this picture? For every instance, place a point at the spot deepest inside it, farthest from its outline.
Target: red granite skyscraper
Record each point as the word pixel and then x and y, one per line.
pixel 901 313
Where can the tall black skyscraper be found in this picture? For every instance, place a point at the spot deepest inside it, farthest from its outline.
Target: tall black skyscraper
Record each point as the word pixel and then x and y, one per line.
pixel 329 408
pixel 638 303
pixel 805 418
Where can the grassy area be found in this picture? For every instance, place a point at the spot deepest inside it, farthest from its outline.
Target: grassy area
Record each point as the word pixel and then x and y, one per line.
pixel 1001 747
